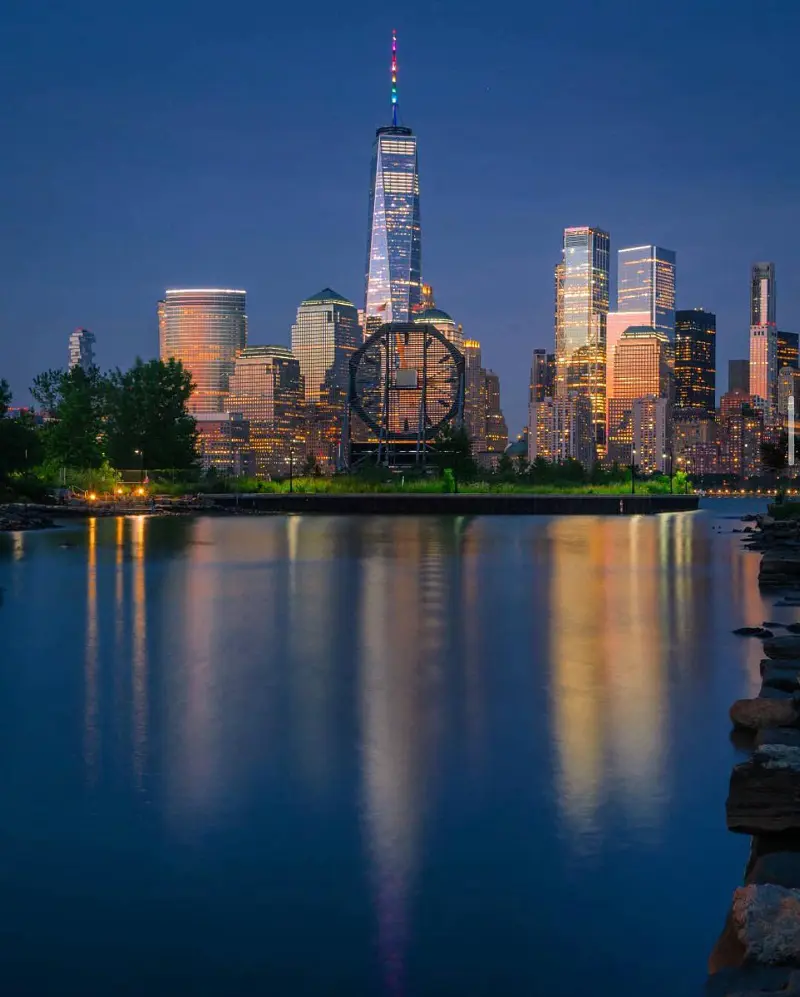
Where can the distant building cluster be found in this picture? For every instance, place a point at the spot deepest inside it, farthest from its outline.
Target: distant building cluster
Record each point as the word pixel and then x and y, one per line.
pixel 265 410
pixel 628 379
pixel 637 385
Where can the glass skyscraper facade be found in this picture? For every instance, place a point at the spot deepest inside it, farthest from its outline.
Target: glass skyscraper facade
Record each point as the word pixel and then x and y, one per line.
pixel 81 349
pixel 206 329
pixel 788 349
pixel 325 335
pixel 394 237
pixel 696 362
pixel 762 294
pixel 646 284
pixel 266 389
pixel 581 312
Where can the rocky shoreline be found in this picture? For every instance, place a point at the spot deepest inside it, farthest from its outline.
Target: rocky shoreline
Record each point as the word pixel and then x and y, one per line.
pixel 16 516
pixel 758 951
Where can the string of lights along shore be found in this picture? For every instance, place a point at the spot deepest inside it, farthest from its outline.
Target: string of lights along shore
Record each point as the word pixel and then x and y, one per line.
pixel 628 380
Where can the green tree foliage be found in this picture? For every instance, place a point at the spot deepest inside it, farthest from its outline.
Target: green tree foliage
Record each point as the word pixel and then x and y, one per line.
pixel 20 447
pixel 452 450
pixel 74 402
pixel 148 424
pixel 775 456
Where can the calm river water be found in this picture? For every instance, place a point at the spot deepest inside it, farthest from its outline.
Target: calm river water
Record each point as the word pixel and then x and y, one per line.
pixel 370 756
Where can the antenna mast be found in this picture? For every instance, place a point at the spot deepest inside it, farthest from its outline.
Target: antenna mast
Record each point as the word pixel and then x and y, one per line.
pixel 394 77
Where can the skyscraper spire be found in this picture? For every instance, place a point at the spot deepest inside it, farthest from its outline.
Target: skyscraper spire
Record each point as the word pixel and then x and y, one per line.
pixel 394 77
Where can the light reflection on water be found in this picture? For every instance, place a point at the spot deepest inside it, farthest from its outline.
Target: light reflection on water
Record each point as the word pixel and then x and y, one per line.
pixel 377 739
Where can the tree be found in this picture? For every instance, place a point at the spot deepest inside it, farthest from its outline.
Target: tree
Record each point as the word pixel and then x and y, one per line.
pixel 311 467
pixel 74 400
pixel 452 449
pixel 20 447
pixel 505 468
pixel 148 422
pixel 775 456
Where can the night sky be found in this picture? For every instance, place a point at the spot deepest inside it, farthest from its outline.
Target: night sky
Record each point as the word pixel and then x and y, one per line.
pixel 155 145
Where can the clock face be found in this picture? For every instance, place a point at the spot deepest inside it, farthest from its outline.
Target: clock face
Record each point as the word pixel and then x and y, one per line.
pixel 405 381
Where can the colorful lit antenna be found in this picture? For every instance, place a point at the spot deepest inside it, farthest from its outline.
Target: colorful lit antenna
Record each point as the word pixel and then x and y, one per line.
pixel 394 77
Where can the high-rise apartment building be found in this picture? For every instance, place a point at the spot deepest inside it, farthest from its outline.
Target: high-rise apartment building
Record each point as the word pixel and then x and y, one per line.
pixel 266 389
pixel 741 433
pixel 206 329
pixel 788 386
pixel 788 349
pixel 651 422
pixel 81 350
pixel 496 428
pixel 394 236
pixel 642 367
pixel 739 376
pixel 763 337
pixel 696 362
pixel 581 312
pixel 561 429
pixel 325 335
pixel 474 396
pixel 646 284
pixel 542 382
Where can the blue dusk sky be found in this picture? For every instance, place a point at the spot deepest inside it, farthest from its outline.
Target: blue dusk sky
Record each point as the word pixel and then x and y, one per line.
pixel 154 145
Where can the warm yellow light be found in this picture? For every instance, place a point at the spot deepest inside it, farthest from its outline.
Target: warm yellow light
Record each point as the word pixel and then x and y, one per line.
pixel 140 491
pixel 91 496
pixel 119 491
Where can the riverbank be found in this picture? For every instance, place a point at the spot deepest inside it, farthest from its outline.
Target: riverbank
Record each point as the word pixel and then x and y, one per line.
pixel 758 951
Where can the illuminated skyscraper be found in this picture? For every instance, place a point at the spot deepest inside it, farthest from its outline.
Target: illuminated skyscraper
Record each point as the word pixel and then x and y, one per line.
pixel 496 428
pixel 695 362
pixel 542 375
pixel 646 283
pixel 763 337
pixel 642 367
pixel 324 337
pixel 581 312
pixel 788 349
pixel 441 320
pixel 394 244
pixel 266 389
pixel 81 349
pixel 474 396
pixel 206 329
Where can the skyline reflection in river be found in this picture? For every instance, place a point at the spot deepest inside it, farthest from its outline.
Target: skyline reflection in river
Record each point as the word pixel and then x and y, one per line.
pixel 383 740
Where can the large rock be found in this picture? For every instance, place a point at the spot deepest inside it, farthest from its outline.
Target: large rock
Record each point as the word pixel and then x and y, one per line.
pixel 789 736
pixel 787 664
pixel 787 679
pixel 755 981
pixel 764 795
pixel 779 568
pixel 756 714
pixel 785 646
pixel 778 868
pixel 753 632
pixel 766 919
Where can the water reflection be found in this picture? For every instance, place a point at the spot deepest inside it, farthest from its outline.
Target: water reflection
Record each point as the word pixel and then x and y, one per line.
pixel 91 734
pixel 139 651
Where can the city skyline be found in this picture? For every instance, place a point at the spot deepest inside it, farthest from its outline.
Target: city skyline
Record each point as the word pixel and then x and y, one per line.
pixel 488 225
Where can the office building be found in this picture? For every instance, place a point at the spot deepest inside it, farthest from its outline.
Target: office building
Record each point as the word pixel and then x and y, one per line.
pixel 763 337
pixel 206 329
pixel 694 447
pixel 266 390
pixel 646 284
pixel 325 335
pixel 788 386
pixel 444 323
pixel 581 313
pixel 650 418
pixel 81 350
pixel 394 238
pixel 223 444
pixel 496 428
pixel 561 429
pixel 788 343
pixel 474 396
pixel 739 376
pixel 695 362
pixel 642 367
pixel 741 433
pixel 543 375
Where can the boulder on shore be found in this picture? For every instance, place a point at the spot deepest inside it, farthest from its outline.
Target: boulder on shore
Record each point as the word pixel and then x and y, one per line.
pixel 754 981
pixel 766 919
pixel 17 517
pixel 785 646
pixel 789 736
pixel 753 632
pixel 778 868
pixel 785 679
pixel 764 796
pixel 756 714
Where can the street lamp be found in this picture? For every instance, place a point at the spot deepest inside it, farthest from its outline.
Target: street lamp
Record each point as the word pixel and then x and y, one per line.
pixel 140 455
pixel 291 466
pixel 633 470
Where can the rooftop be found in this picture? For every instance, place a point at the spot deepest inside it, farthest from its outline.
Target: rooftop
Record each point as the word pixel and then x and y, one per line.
pixel 433 315
pixel 327 294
